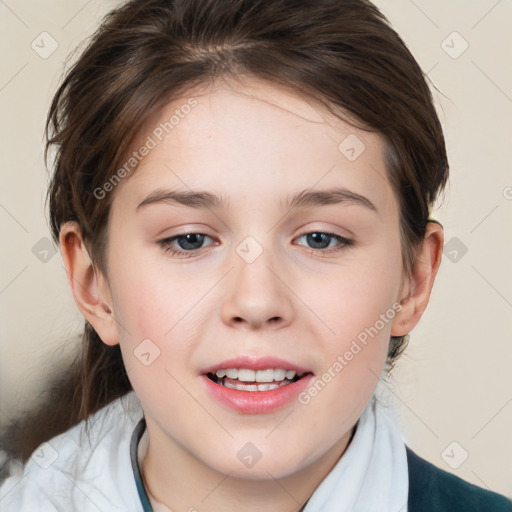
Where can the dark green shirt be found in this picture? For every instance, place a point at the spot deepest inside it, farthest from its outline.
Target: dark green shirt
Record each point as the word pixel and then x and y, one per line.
pixel 434 490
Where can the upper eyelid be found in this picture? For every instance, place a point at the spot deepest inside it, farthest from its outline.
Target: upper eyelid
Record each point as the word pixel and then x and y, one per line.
pixel 329 233
pixel 175 237
pixel 343 240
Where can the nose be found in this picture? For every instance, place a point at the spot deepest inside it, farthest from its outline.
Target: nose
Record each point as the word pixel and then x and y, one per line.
pixel 257 295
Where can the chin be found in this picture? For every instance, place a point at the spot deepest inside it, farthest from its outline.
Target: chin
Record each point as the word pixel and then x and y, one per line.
pixel 249 462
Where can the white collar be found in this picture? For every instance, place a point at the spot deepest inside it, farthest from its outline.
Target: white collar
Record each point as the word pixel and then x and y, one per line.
pixel 372 474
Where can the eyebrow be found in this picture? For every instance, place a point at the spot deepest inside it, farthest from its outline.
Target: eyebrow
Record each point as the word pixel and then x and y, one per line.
pixel 335 195
pixel 303 199
pixel 189 198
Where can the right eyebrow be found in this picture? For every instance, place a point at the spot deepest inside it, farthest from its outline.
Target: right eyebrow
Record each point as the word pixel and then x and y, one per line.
pixel 192 199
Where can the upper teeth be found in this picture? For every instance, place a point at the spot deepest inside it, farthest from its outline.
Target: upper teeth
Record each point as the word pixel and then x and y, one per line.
pixel 268 375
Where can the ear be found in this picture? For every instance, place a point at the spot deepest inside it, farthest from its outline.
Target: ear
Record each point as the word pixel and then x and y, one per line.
pixel 90 289
pixel 416 290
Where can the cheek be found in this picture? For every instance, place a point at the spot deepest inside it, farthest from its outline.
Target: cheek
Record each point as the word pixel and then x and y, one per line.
pixel 360 312
pixel 157 338
pixel 151 303
pixel 358 304
pixel 354 296
pixel 148 299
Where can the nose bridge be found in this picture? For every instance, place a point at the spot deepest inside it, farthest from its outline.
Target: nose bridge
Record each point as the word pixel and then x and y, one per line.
pixel 256 294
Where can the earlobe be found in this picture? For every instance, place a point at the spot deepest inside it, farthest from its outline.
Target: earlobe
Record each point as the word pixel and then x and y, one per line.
pixel 421 281
pixel 89 288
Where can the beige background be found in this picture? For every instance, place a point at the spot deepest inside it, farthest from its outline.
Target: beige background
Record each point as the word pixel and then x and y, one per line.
pixel 453 388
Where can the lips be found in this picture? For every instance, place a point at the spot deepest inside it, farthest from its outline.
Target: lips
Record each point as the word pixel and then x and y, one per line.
pixel 255 386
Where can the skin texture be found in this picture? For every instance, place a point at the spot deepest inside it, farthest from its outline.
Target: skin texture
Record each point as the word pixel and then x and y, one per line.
pixel 256 145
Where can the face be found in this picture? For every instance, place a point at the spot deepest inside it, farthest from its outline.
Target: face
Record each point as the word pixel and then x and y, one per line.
pixel 254 267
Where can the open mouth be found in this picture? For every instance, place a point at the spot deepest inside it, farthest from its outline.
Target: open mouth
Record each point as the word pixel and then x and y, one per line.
pixel 243 379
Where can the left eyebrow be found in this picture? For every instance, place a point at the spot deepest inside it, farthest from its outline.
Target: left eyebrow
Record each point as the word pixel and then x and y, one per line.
pixel 303 199
pixel 336 195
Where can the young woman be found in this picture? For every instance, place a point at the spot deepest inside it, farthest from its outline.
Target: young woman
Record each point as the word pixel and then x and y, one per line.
pixel 242 195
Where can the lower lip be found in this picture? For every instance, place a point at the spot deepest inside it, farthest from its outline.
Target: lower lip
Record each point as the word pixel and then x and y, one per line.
pixel 256 402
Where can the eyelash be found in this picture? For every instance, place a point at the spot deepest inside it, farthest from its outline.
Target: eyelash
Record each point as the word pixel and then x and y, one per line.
pixel 344 243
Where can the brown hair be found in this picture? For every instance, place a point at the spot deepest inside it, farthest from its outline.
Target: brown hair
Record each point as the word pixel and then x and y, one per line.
pixel 340 53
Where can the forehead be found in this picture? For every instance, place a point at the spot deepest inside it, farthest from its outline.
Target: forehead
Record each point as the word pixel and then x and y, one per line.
pixel 242 138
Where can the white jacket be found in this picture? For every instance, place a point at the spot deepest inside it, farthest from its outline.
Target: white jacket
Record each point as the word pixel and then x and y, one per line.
pixel 79 472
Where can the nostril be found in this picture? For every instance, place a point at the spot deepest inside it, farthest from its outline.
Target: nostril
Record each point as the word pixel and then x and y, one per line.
pixel 274 319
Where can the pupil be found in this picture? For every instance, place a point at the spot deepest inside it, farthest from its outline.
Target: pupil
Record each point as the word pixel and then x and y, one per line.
pixel 191 240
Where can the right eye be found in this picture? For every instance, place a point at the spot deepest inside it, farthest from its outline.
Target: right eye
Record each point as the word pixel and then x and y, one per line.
pixel 188 244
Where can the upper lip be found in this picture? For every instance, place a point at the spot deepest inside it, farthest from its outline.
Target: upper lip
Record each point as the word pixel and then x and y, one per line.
pixel 255 363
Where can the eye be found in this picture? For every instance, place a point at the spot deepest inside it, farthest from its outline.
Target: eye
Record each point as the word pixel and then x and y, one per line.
pixel 326 242
pixel 188 244
pixel 185 245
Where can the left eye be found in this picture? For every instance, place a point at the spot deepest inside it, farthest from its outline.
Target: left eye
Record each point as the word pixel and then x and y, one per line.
pixel 322 241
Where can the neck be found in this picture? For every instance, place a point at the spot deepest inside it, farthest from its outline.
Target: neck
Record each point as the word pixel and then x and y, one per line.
pixel 179 480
